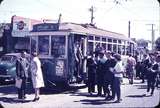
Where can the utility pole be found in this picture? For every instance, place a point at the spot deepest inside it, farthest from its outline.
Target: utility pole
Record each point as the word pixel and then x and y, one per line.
pixel 159 16
pixel 152 34
pixel 92 16
pixel 129 29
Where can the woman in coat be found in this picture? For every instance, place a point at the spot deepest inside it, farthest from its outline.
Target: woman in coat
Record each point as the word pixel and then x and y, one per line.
pixel 37 78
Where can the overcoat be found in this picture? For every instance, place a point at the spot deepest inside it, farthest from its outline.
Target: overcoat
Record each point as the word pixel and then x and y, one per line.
pixel 36 73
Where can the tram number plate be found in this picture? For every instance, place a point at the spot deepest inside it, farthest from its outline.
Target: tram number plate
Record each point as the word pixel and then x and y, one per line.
pixel 59 67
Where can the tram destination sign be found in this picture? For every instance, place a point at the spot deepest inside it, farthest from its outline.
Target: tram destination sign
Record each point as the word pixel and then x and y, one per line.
pixel 45 27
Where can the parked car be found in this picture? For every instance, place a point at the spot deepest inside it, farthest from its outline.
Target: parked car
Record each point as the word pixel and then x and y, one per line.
pixel 8 66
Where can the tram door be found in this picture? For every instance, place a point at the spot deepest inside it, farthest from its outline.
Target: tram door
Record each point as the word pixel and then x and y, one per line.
pixel 77 48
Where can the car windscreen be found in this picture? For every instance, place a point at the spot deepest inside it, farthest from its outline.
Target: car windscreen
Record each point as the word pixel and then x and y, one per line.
pixel 8 58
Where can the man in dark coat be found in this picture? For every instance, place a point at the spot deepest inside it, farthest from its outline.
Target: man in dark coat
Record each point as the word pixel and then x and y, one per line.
pixel 144 67
pixel 22 66
pixel 153 69
pixel 100 72
pixel 91 64
pixel 109 76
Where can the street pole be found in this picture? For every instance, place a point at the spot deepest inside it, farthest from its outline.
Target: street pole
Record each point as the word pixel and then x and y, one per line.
pixel 152 35
pixel 92 16
pixel 129 29
pixel 159 17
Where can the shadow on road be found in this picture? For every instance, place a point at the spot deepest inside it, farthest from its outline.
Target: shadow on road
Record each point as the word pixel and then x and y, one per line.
pixel 95 101
pixel 11 89
pixel 138 96
pixel 141 86
pixel 84 94
pixel 13 100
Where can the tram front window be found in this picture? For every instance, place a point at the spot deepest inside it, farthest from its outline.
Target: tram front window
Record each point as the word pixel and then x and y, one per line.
pixel 58 46
pixel 43 45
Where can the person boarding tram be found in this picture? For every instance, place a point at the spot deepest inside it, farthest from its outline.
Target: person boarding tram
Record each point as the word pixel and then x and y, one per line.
pixel 78 60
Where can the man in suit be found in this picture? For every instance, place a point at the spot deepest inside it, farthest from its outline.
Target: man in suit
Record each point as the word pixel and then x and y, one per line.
pixel 91 65
pixel 100 72
pixel 109 76
pixel 22 66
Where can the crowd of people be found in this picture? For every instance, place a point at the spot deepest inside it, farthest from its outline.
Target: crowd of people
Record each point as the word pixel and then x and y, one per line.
pixel 107 69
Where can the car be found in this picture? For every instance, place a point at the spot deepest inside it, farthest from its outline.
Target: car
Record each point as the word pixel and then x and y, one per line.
pixel 8 67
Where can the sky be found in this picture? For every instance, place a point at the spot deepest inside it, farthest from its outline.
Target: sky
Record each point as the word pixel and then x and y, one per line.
pixel 108 14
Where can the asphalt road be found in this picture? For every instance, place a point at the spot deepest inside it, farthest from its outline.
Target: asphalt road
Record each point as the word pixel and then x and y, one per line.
pixel 132 96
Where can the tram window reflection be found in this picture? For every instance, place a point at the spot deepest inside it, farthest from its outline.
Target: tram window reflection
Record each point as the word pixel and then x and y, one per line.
pixel 43 45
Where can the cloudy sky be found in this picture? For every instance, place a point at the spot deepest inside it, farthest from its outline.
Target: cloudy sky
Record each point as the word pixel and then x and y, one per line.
pixel 109 15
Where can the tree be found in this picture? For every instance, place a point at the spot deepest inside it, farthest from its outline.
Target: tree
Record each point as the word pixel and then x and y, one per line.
pixel 157 44
pixel 1 1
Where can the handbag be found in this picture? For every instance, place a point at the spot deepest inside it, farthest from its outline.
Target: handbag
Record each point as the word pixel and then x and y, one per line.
pixel 18 82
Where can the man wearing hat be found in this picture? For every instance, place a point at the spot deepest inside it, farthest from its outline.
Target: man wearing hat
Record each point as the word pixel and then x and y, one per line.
pixel 100 73
pixel 22 66
pixel 109 76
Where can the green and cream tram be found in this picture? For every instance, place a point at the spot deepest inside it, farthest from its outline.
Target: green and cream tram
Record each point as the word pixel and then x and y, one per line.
pixel 57 45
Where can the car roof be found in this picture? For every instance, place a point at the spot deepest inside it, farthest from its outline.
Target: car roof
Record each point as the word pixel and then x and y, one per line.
pixel 16 54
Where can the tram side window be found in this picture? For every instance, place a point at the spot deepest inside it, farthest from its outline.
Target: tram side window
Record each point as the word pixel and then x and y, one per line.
pixel 119 49
pixel 110 47
pixel 123 50
pixel 104 46
pixel 43 45
pixel 115 48
pixel 90 47
pixel 58 46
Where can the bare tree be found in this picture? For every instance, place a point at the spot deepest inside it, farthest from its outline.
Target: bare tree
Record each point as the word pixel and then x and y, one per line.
pixel 1 1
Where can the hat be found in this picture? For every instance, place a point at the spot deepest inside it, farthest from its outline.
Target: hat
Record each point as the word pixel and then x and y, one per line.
pixel 117 56
pixel 102 52
pixel 108 52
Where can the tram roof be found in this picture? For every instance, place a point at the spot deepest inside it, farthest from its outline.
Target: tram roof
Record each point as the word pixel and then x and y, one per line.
pixel 88 29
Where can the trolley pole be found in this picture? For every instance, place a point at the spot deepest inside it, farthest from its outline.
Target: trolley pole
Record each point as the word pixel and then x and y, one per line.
pixel 152 35
pixel 92 16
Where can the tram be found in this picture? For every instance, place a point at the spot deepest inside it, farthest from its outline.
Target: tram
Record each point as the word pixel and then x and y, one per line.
pixel 63 47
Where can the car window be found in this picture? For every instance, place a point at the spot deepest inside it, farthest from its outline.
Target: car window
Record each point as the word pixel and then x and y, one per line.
pixel 8 58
